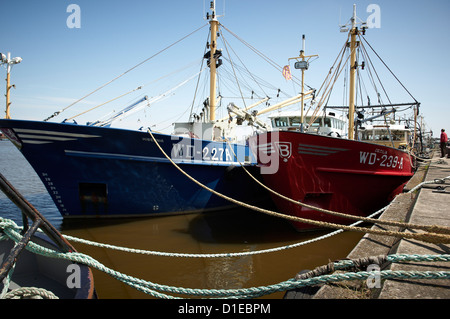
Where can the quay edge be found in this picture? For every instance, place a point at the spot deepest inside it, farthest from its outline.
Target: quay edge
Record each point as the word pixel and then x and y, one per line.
pixel 425 206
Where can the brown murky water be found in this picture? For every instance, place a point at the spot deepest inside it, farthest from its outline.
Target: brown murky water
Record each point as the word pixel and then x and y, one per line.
pixel 231 231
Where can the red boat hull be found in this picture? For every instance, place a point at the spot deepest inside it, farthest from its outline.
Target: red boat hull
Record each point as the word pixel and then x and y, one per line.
pixel 336 174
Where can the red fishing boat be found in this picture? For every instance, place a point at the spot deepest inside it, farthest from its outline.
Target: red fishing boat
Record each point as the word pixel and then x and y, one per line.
pixel 332 173
pixel 341 174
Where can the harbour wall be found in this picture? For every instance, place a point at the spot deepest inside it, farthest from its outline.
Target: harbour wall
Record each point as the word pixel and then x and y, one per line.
pixel 426 206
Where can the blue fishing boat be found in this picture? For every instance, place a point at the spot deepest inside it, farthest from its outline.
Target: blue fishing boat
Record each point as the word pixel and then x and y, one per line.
pixel 95 170
pixel 98 171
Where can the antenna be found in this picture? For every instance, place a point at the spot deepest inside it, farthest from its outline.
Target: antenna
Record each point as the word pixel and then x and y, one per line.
pixel 354 17
pixel 353 22
pixel 212 8
pixel 303 43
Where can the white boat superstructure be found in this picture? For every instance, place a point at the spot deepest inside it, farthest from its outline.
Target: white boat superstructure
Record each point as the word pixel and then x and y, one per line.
pixel 394 135
pixel 323 123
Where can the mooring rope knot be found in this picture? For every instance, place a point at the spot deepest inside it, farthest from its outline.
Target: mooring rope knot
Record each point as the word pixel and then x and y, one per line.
pixel 30 293
pixel 362 263
pixel 318 271
pixel 355 264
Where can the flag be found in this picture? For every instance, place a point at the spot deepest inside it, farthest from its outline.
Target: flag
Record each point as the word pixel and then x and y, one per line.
pixel 287 72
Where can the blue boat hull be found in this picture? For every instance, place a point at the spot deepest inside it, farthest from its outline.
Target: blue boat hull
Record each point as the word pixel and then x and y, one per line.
pixel 108 172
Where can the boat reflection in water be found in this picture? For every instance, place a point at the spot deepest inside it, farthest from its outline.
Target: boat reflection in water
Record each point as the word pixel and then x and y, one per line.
pixel 230 231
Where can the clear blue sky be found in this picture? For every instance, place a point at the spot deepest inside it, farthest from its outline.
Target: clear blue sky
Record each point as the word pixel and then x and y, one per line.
pixel 62 64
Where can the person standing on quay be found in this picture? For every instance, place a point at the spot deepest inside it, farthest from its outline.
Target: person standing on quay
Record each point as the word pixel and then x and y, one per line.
pixel 444 140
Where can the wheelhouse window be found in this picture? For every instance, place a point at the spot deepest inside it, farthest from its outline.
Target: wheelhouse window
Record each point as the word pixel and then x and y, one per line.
pixel 295 121
pixel 280 122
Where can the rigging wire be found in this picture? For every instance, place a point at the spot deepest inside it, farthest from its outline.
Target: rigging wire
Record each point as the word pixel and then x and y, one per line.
pixel 331 80
pixel 262 84
pixel 129 92
pixel 234 71
pixel 359 80
pixel 155 99
pixel 263 56
pixel 344 88
pixel 95 107
pixel 388 68
pixel 127 71
pixel 134 90
pixel 340 54
pixel 245 68
pixel 198 80
pixel 376 73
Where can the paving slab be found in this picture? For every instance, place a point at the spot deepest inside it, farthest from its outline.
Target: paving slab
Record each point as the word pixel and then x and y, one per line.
pixel 431 208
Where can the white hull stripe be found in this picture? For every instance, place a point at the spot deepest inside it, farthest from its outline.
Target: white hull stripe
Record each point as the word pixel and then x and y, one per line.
pixel 266 148
pixel 318 150
pixel 35 142
pixel 23 130
pixel 316 147
pixel 42 137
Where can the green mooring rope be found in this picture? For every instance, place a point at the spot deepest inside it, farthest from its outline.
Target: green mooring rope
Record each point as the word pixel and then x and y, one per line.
pixel 10 229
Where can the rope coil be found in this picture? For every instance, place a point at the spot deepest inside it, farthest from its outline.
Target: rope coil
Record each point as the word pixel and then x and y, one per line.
pixel 30 293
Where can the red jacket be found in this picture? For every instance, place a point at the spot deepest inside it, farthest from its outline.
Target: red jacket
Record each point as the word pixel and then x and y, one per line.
pixel 444 138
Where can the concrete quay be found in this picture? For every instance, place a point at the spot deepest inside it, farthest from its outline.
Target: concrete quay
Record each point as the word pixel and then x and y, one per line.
pixel 426 206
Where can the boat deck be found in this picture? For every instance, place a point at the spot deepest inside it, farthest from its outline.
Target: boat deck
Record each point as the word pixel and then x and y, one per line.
pixel 427 207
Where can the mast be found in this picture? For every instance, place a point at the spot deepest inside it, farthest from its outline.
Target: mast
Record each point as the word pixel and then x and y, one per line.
pixel 353 66
pixel 302 55
pixel 303 65
pixel 9 63
pixel 8 88
pixel 212 65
